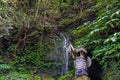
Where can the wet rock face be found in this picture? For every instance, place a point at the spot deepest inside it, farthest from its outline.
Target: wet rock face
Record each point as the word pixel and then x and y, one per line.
pixel 95 71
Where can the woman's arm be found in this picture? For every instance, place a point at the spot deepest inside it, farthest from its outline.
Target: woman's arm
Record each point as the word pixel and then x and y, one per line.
pixel 89 62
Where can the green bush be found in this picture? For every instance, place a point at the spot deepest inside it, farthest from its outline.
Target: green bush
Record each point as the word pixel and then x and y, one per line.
pixel 112 72
pixel 49 79
pixel 19 76
pixel 68 76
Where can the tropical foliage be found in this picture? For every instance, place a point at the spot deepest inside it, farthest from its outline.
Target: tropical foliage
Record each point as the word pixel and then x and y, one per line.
pixel 101 37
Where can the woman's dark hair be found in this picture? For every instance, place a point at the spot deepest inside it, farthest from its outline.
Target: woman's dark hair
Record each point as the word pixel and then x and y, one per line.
pixel 81 53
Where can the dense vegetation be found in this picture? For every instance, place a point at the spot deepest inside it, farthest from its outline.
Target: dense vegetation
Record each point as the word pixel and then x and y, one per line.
pixel 30 29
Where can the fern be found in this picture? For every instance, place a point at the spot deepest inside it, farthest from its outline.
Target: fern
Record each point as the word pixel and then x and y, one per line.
pixel 113 38
pixel 5 66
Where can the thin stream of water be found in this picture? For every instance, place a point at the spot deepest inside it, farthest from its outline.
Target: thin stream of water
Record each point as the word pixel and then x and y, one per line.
pixel 66 54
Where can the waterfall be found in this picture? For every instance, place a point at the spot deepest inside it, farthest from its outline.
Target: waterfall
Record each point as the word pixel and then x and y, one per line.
pixel 61 53
pixel 65 54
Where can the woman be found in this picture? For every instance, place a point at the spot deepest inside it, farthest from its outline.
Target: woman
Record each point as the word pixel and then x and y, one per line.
pixel 81 62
